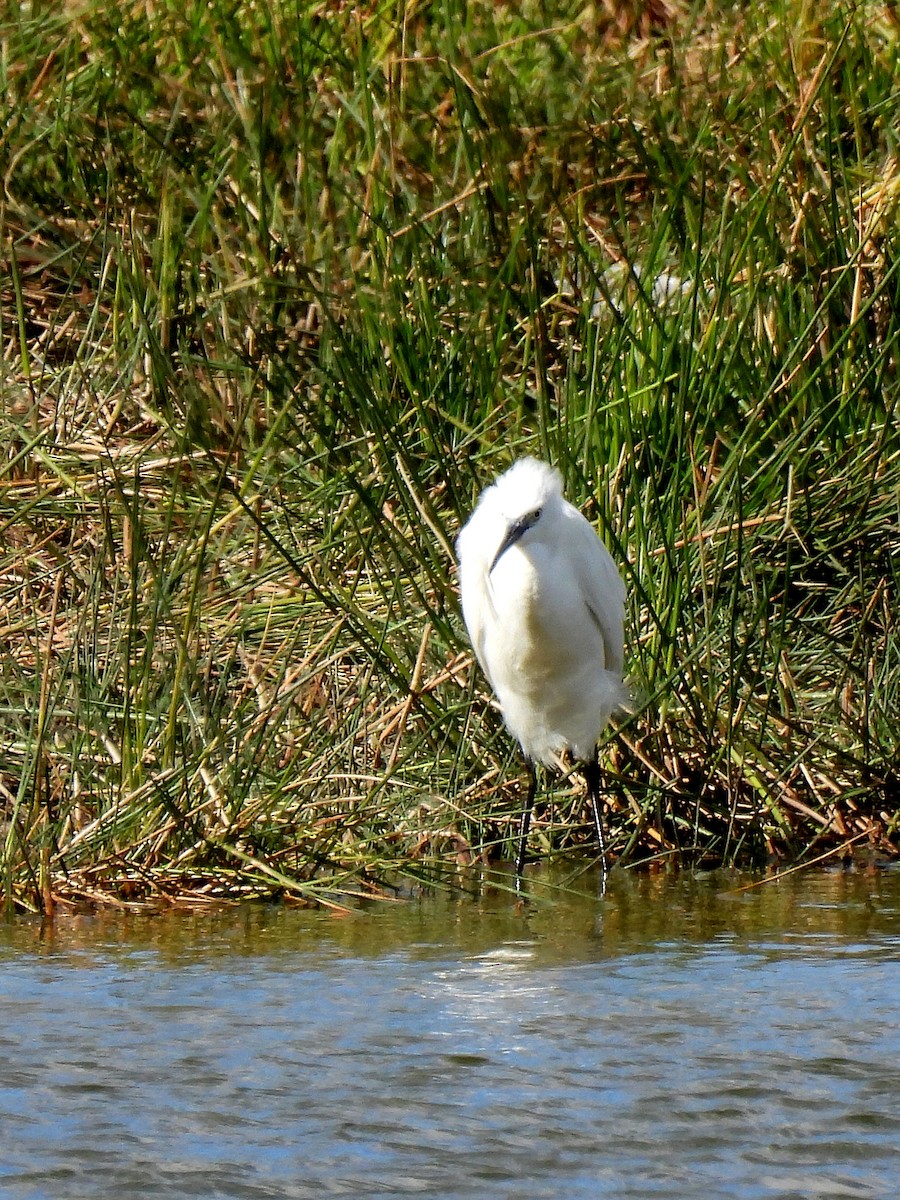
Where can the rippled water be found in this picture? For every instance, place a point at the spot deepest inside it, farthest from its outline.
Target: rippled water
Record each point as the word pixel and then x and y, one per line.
pixel 679 1038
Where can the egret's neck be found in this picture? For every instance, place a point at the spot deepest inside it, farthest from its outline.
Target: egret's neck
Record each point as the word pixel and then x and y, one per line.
pixel 520 582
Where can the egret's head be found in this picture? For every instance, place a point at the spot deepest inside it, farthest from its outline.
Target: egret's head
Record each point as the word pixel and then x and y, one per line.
pixel 526 502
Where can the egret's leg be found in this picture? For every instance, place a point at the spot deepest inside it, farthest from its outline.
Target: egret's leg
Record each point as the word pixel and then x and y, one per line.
pixel 592 775
pixel 526 823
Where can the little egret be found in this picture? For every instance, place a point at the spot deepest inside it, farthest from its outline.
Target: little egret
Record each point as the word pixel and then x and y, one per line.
pixel 545 607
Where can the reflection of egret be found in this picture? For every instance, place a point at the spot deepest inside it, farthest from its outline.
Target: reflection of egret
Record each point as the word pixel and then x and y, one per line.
pixel 544 606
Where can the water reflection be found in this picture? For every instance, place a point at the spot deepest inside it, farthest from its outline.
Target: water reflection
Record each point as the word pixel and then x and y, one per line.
pixel 564 921
pixel 680 1037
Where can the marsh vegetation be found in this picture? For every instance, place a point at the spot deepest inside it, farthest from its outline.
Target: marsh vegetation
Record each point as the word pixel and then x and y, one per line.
pixel 284 284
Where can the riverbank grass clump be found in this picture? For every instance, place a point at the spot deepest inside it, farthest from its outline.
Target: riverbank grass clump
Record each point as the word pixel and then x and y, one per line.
pixel 284 286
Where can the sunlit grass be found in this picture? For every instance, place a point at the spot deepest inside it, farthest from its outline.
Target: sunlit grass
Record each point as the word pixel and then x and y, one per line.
pixel 284 286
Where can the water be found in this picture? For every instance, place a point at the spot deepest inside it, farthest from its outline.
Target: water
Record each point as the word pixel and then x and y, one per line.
pixel 680 1038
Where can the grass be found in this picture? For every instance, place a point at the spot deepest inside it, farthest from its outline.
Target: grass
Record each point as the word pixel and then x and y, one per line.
pixel 283 286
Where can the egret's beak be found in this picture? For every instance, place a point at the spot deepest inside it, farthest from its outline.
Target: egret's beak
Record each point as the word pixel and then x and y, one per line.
pixel 515 531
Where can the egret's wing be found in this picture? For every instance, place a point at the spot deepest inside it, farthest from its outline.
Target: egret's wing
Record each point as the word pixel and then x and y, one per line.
pixel 600 584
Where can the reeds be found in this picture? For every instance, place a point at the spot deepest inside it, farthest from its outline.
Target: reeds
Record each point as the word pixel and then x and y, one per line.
pixel 284 286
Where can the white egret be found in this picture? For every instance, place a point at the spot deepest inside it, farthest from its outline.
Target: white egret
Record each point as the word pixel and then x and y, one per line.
pixel 544 606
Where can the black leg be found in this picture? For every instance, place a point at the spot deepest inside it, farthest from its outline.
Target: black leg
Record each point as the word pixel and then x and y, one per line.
pixel 592 775
pixel 526 823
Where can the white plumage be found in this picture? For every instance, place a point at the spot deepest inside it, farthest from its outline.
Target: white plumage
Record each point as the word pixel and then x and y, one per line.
pixel 544 606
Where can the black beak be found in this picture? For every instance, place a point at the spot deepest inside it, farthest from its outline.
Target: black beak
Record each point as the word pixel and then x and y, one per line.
pixel 513 534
